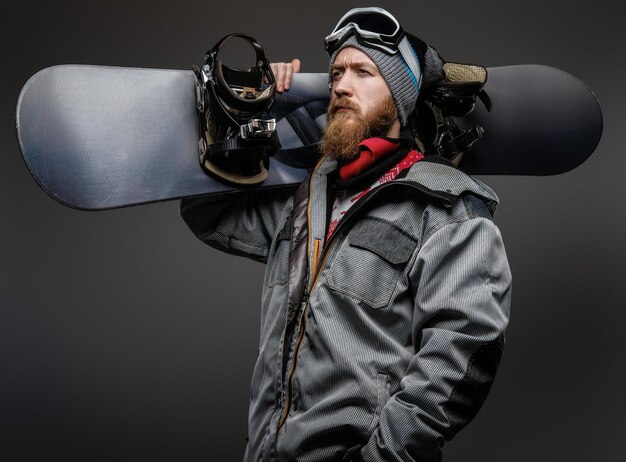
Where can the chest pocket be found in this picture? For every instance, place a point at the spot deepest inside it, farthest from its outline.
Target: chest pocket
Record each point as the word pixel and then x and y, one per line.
pixel 370 261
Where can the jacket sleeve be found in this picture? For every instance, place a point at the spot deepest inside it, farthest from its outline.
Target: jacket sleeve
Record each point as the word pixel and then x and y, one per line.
pixel 241 223
pixel 463 286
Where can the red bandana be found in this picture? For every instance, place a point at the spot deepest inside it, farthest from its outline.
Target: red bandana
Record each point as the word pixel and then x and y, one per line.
pixel 370 151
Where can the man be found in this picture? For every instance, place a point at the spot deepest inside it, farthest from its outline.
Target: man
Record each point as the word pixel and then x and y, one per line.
pixel 387 287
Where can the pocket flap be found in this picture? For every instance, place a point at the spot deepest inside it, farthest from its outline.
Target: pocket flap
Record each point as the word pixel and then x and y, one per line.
pixel 384 239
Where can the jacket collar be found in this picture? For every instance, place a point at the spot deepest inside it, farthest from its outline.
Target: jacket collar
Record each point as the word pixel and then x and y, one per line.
pixel 439 177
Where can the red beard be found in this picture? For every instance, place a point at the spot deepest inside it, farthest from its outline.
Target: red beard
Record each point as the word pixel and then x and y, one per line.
pixel 345 130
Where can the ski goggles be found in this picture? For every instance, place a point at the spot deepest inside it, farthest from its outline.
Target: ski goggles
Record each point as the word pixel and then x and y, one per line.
pixel 376 28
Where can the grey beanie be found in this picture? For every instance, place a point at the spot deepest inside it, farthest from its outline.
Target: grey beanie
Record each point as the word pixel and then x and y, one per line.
pixel 402 83
pixel 400 80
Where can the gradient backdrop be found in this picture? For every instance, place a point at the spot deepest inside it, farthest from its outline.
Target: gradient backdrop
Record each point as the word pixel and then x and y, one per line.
pixel 122 337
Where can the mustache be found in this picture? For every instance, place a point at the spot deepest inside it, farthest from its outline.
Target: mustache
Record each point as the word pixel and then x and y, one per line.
pixel 341 103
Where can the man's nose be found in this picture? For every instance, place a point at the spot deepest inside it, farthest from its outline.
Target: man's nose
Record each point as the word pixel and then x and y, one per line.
pixel 343 86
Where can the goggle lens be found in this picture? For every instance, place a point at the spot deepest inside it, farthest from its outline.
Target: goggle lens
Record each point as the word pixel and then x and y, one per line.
pixel 372 22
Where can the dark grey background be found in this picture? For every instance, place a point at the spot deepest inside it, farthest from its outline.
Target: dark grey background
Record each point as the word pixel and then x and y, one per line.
pixel 122 337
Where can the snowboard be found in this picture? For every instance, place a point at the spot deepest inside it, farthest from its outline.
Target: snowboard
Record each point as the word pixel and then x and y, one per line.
pixel 97 137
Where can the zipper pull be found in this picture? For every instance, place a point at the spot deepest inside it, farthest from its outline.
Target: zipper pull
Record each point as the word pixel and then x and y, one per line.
pixel 293 310
pixel 291 314
pixel 303 305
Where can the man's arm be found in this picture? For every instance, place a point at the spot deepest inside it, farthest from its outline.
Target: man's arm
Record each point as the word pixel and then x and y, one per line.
pixel 462 304
pixel 240 223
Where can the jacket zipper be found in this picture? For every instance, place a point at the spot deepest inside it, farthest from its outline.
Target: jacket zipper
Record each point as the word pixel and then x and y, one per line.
pixel 316 272
pixel 292 372
pixel 303 305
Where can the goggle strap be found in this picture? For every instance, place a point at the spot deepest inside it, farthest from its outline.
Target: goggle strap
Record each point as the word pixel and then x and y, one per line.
pixel 409 57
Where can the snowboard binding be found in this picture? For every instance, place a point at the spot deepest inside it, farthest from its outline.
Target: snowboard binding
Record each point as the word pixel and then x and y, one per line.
pixel 235 142
pixel 453 96
pixel 448 91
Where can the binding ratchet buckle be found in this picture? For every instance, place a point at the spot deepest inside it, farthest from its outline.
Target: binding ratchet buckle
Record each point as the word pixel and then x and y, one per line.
pixel 258 128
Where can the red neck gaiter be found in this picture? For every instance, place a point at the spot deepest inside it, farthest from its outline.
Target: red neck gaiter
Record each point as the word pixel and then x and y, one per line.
pixel 371 151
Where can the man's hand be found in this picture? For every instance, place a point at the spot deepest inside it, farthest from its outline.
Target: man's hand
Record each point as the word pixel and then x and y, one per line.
pixel 283 72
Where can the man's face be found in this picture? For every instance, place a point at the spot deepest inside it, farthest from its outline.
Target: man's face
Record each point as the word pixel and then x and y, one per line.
pixel 360 105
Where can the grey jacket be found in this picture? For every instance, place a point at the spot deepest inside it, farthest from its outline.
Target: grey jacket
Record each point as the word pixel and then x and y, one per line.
pixel 382 343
